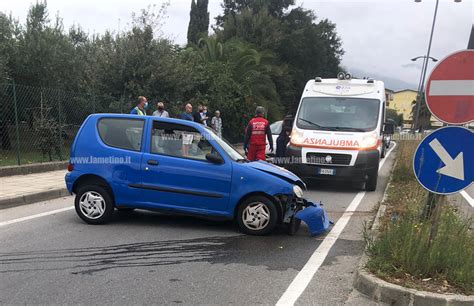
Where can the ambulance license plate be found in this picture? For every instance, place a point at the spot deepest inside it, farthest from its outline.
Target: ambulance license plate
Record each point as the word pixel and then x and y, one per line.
pixel 325 171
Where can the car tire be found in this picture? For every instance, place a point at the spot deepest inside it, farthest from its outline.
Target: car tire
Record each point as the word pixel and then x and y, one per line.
pixel 257 215
pixel 371 182
pixel 94 204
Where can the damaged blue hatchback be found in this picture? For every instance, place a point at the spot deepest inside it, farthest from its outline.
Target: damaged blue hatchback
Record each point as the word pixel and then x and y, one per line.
pixel 125 162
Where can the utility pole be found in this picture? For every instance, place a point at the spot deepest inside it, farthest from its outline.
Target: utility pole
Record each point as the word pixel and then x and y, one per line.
pixel 423 72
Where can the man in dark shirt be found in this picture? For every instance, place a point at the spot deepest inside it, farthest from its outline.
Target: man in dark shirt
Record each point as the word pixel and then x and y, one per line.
pixel 197 115
pixel 187 115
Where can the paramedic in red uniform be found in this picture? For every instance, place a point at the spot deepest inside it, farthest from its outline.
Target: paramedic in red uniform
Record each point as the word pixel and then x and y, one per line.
pixel 257 130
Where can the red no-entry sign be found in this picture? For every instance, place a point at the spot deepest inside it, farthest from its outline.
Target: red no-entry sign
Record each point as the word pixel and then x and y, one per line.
pixel 450 88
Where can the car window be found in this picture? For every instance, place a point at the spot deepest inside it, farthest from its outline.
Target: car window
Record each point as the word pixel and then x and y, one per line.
pixel 179 141
pixel 121 133
pixel 275 127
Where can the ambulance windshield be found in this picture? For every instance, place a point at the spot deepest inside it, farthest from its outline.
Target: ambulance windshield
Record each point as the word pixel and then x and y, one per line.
pixel 341 114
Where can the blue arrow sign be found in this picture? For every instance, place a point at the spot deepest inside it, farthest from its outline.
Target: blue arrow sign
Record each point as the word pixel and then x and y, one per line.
pixel 444 160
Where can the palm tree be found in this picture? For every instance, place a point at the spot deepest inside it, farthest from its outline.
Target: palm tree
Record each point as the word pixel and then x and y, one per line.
pixel 210 49
pixel 251 71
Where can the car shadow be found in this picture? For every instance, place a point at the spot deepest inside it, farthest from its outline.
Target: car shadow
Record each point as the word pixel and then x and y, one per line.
pixel 234 249
pixel 145 218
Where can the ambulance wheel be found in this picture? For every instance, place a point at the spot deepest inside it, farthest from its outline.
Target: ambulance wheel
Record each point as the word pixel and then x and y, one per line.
pixel 371 183
pixel 257 215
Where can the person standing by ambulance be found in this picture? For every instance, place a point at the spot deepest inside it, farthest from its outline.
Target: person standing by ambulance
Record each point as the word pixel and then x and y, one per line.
pixel 256 133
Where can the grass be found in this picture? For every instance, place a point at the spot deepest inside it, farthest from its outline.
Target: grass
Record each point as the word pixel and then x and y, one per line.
pixel 434 253
pixel 9 158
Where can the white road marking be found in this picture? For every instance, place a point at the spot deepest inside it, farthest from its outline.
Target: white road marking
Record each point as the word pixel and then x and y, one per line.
pixel 302 279
pixel 468 198
pixel 52 212
pixel 452 88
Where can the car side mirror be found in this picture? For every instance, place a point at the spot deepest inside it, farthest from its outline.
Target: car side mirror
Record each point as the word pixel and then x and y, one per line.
pixel 389 128
pixel 214 158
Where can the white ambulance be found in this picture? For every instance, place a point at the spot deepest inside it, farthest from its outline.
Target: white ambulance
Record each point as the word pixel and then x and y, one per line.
pixel 338 130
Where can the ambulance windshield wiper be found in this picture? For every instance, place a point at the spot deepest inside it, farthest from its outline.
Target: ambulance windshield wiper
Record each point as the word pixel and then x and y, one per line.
pixel 338 128
pixel 312 123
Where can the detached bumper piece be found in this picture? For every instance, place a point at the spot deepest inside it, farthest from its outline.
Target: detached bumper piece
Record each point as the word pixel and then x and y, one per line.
pixel 315 218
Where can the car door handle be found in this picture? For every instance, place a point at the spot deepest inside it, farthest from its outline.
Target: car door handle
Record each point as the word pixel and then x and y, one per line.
pixel 152 162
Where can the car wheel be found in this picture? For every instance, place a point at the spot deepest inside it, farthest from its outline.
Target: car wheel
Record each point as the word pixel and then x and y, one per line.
pixel 257 215
pixel 94 204
pixel 371 183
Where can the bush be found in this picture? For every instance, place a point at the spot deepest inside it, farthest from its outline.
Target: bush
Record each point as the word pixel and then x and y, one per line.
pixel 438 249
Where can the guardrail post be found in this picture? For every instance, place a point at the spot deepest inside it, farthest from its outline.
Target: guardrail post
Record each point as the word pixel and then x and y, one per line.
pixel 17 126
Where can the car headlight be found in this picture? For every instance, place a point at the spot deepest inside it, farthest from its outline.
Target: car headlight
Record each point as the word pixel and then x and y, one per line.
pixel 298 191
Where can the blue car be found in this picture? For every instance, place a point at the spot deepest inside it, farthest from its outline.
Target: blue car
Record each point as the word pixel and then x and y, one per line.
pixel 122 162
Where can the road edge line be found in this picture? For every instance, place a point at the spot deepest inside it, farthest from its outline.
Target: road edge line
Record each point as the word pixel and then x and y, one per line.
pixel 305 275
pixel 52 212
pixel 467 197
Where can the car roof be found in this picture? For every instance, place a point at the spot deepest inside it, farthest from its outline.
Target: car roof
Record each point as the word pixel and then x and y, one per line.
pixel 132 116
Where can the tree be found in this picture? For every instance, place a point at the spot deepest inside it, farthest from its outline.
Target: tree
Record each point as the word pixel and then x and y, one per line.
pixel 256 27
pixel 275 8
pixel 198 21
pixel 303 47
pixel 424 115
pixel 311 49
pixel 262 53
pixel 396 117
pixel 234 77
pixel 7 45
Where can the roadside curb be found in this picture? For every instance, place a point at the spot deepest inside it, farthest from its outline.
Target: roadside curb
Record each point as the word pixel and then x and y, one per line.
pixel 34 197
pixel 385 292
pixel 382 291
pixel 33 168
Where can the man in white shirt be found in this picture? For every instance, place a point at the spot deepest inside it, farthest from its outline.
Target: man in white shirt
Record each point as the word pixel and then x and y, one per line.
pixel 161 111
pixel 216 123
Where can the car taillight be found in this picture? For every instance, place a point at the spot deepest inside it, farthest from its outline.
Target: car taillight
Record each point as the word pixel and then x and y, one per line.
pixel 70 167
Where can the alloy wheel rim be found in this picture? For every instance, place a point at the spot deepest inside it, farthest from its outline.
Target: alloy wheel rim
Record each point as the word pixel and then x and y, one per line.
pixel 92 205
pixel 256 216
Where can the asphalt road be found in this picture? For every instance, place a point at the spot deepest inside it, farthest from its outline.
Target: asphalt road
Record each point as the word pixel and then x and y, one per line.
pixel 145 257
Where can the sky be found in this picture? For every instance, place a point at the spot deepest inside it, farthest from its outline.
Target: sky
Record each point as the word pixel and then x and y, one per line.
pixel 379 36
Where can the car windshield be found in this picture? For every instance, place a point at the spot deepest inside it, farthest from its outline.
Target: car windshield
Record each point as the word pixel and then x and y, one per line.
pixel 228 148
pixel 331 113
pixel 275 127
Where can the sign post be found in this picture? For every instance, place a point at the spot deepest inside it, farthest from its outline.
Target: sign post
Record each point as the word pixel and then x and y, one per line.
pixel 444 161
